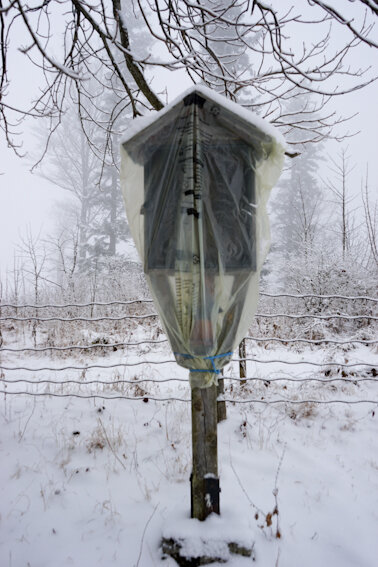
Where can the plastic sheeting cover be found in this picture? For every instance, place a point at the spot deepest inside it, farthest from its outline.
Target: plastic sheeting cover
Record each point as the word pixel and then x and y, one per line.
pixel 195 183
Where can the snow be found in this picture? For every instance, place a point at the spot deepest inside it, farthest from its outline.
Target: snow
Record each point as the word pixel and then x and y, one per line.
pixel 93 482
pixel 144 122
pixel 66 499
pixel 209 538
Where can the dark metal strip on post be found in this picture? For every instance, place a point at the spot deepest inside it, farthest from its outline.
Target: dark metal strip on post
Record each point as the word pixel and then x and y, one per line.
pixel 204 478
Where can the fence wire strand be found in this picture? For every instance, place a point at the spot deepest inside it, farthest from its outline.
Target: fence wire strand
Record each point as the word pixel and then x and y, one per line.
pixel 150 315
pixel 324 365
pixel 160 341
pixel 84 319
pixel 266 381
pixel 73 305
pixel 84 347
pixel 88 366
pixel 148 398
pixel 309 362
pixel 285 340
pixel 358 377
pixel 318 296
pixel 147 300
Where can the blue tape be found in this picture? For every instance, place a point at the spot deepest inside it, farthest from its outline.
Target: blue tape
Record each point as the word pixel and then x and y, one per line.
pixel 212 358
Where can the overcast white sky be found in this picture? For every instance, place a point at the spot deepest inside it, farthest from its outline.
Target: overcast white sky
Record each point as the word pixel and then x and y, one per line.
pixel 28 200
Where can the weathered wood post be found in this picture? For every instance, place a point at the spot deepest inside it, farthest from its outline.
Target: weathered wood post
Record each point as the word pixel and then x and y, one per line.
pixel 242 363
pixel 221 405
pixel 204 479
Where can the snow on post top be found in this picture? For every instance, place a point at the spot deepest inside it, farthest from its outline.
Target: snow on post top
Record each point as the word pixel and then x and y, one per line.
pixel 138 125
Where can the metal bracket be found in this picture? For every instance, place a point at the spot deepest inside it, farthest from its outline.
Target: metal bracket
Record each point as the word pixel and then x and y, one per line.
pixel 211 495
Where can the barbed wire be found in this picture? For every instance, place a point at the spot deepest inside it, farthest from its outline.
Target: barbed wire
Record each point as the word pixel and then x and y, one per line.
pixel 312 341
pixel 310 362
pixel 147 398
pixel 358 377
pixel 71 305
pixel 266 381
pixel 117 382
pixel 290 401
pixel 84 347
pixel 88 366
pixel 161 341
pixel 86 319
pixel 319 296
pixel 150 315
pixel 146 300
pixel 320 317
pixel 170 361
pixel 346 380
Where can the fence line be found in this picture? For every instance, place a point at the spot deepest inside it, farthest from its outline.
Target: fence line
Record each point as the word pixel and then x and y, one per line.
pixel 84 347
pixel 86 367
pixel 312 341
pixel 148 398
pixel 66 305
pixel 310 316
pixel 170 361
pixel 319 364
pixel 314 295
pixel 160 341
pixel 358 377
pixel 133 301
pixel 150 315
pixel 346 380
pixel 86 319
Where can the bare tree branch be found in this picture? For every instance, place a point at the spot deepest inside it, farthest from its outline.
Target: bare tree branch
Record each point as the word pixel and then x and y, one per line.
pixel 243 49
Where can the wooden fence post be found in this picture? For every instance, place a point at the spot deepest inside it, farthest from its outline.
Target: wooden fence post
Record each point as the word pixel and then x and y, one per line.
pixel 221 406
pixel 204 479
pixel 242 363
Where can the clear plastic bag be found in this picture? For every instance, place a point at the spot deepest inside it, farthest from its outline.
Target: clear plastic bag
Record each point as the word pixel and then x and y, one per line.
pixel 195 181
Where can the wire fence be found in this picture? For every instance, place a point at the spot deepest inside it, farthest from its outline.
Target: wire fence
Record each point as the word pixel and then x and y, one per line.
pixel 161 341
pixel 160 362
pixel 148 398
pixel 329 373
pixel 146 300
pixel 184 380
pixel 149 315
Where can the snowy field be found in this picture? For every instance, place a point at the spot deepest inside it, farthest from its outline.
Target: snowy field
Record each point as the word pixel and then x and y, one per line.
pixel 99 482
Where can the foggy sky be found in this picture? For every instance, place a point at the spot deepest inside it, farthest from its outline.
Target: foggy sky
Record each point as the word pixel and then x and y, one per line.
pixel 29 200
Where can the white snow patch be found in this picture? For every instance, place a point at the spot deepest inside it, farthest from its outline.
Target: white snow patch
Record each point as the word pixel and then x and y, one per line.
pixel 211 537
pixel 144 122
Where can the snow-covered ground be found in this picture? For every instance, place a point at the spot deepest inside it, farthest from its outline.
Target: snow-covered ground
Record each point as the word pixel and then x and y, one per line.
pixel 94 482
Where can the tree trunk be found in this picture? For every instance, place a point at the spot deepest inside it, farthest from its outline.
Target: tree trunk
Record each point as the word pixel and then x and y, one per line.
pixel 113 216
